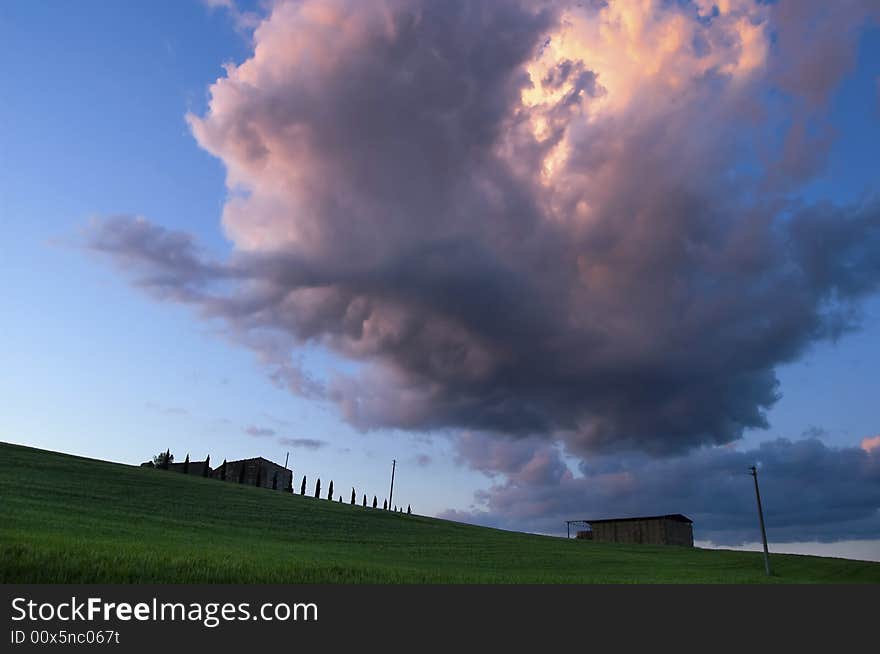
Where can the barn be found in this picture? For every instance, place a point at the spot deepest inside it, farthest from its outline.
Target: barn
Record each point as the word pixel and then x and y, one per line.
pixel 670 529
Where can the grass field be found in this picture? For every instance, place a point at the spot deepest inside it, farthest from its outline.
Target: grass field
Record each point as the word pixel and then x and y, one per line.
pixel 68 519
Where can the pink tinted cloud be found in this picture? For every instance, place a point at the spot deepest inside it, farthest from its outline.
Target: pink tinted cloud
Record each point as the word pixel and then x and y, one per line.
pixel 871 443
pixel 554 221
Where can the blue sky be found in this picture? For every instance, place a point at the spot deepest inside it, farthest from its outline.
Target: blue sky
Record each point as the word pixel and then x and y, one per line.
pixel 92 124
pixel 96 126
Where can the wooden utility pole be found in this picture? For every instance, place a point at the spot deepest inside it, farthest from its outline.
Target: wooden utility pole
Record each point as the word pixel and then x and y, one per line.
pixel 753 471
pixel 286 458
pixel 391 494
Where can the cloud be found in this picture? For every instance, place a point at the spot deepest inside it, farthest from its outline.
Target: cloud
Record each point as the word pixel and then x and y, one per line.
pixel 305 443
pixel 815 44
pixel 574 223
pixel 243 20
pixel 259 432
pixel 168 410
pixel 810 492
pixel 869 444
pixel 423 460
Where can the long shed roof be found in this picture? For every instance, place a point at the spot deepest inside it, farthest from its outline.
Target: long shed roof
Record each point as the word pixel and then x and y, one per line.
pixel 677 517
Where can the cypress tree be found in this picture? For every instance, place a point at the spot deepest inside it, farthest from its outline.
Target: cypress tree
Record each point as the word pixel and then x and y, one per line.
pixel 318 489
pixel 408 509
pixel 242 471
pixel 374 501
pixel 365 500
pixel 166 460
pixel 259 475
pixel 330 491
pixel 275 481
pixel 302 489
pixel 223 471
pixel 207 471
pixel 353 498
pixel 186 464
pixel 289 487
pixel 385 505
pixel 340 499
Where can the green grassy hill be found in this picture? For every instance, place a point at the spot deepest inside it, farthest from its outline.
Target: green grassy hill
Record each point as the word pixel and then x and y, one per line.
pixel 69 519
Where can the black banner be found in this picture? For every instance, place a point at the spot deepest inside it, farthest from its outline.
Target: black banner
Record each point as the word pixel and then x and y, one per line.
pixel 236 618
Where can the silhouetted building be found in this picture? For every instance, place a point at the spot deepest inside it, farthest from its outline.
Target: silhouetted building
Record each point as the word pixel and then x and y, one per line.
pixel 672 529
pixel 248 471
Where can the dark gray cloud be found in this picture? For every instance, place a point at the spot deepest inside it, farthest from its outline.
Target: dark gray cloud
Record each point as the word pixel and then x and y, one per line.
pixel 511 234
pixel 810 492
pixel 305 443
pixel 259 432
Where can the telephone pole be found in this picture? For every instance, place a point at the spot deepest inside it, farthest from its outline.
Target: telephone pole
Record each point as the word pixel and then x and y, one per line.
pixel 753 471
pixel 391 494
pixel 286 459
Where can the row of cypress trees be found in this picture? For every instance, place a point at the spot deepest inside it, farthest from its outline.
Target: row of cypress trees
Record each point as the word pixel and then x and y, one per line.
pixel 352 500
pixel 164 460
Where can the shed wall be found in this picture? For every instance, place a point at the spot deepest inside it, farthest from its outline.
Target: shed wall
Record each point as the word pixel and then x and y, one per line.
pixel 657 532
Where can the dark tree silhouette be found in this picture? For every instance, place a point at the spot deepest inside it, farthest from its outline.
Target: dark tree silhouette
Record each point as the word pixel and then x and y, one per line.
pixel 289 487
pixel 242 472
pixel 302 489
pixel 365 500
pixel 318 489
pixel 259 476
pixel 374 501
pixel 385 505
pixel 186 464
pixel 275 481
pixel 340 499
pixel 330 491
pixel 353 498
pixel 223 471
pixel 207 470
pixel 408 509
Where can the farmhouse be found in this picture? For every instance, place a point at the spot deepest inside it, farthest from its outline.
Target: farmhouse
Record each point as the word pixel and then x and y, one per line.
pixel 255 472
pixel 672 529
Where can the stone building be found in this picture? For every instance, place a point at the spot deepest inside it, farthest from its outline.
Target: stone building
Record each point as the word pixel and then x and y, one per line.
pixel 672 529
pixel 255 472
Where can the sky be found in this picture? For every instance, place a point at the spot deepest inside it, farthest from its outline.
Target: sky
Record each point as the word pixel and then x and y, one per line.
pixel 558 260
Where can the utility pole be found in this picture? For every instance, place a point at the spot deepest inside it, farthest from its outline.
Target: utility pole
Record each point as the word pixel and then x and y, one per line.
pixel 753 471
pixel 391 494
pixel 286 458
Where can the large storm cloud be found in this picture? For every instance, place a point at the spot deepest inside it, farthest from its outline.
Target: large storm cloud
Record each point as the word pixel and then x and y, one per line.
pixel 555 222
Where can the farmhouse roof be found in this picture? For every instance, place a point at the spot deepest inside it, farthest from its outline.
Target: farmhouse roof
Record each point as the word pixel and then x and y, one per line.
pixel 256 458
pixel 677 517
